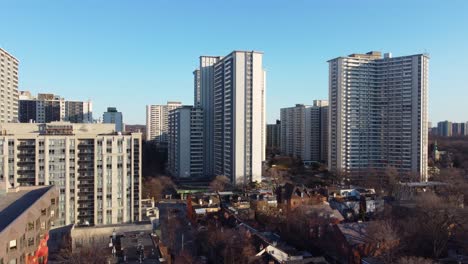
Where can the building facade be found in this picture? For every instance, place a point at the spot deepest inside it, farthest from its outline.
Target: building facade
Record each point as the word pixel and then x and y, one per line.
pixel 157 120
pixel 79 111
pixel 226 125
pixel 233 101
pixel 97 171
pixel 206 86
pixel 8 87
pixel 458 129
pixel 47 108
pixel 274 136
pixel 112 116
pixel 197 88
pixel 185 148
pixel 304 131
pixel 26 215
pixel 319 131
pixel 378 113
pixel 444 129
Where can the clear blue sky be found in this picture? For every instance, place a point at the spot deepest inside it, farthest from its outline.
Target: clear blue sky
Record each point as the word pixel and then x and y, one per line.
pixel 132 53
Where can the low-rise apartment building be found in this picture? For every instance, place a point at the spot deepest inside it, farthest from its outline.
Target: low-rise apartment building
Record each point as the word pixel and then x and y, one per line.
pixel 26 215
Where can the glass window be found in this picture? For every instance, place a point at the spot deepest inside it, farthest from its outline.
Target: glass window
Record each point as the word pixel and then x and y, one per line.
pixel 13 244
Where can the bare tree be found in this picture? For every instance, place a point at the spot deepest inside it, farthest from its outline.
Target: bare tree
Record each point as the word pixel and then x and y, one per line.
pixel 430 226
pixel 155 187
pixel 339 177
pixel 454 178
pixel 392 179
pixel 219 183
pixel 277 177
pixel 171 225
pixel 226 245
pixel 414 260
pixel 184 257
pixel 384 239
pixel 92 253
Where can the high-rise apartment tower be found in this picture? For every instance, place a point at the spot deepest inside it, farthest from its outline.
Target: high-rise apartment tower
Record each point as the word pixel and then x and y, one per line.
pixel 8 87
pixel 378 113
pixel 232 90
pixel 157 120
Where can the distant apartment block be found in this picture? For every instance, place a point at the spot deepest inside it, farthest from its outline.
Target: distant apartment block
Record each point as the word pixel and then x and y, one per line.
pixel 444 128
pixel 112 116
pixel 304 131
pixel 96 170
pixel 274 135
pixel 136 129
pixel 26 215
pixel 8 87
pixel 47 108
pixel 449 129
pixel 459 129
pixel 79 111
pixel 185 148
pixel 232 96
pixel 157 120
pixel 378 113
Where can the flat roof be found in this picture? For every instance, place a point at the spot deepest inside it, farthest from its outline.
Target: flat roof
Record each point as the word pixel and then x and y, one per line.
pixel 371 56
pixel 6 52
pixel 234 51
pixel 14 204
pixel 85 130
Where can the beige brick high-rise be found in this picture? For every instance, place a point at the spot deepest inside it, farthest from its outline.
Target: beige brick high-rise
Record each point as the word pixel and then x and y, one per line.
pixel 157 120
pixel 8 87
pixel 97 171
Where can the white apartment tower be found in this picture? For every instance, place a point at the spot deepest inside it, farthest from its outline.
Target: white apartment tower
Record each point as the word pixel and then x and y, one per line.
pixel 8 87
pixel 232 92
pixel 97 171
pixel 304 131
pixel 185 146
pixel 157 120
pixel 378 113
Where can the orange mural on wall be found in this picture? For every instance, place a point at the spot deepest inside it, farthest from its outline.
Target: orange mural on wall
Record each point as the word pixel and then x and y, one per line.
pixel 41 254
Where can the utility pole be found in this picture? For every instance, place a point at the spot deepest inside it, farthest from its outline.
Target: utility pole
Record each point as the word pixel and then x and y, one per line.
pixel 182 242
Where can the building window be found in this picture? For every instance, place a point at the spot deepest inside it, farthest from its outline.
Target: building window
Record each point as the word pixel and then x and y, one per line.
pixel 12 244
pixel 30 241
pixel 30 226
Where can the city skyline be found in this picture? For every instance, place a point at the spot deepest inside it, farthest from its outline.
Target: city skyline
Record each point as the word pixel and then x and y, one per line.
pixel 145 58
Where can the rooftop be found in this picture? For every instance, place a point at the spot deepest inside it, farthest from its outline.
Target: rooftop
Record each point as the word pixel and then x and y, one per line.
pixel 27 130
pixel 375 55
pixel 6 52
pixel 355 233
pixel 13 204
